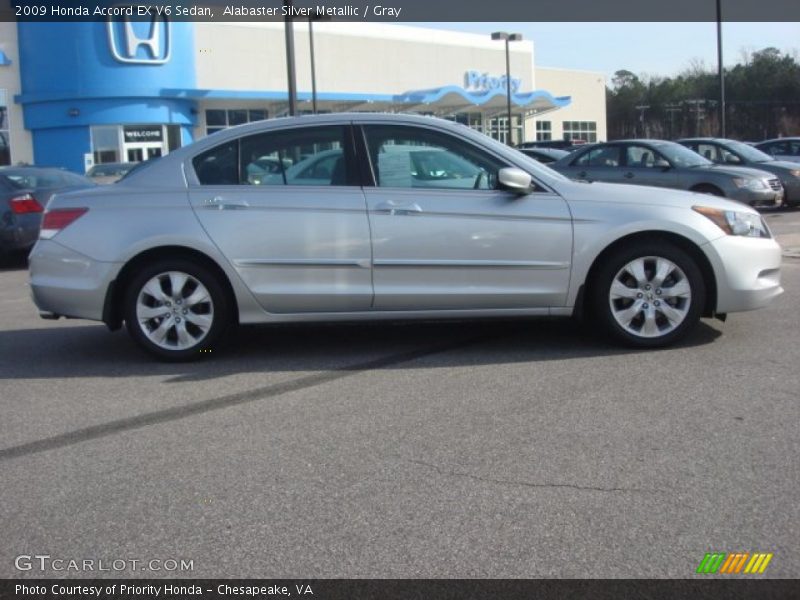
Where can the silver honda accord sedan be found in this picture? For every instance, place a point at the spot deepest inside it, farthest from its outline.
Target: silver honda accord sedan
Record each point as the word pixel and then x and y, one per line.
pixel 366 216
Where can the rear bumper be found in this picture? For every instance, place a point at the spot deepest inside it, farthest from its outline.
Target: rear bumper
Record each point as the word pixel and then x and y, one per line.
pixel 748 272
pixel 791 191
pixel 66 283
pixel 19 233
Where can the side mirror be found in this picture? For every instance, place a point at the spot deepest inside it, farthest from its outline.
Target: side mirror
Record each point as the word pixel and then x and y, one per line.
pixel 732 160
pixel 663 165
pixel 515 180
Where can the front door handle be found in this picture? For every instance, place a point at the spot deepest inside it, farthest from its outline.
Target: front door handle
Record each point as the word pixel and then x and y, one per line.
pixel 628 175
pixel 220 203
pixel 391 208
pixel 582 175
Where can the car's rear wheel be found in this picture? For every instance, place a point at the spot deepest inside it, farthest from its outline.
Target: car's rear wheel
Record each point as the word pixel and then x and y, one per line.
pixel 649 294
pixel 176 309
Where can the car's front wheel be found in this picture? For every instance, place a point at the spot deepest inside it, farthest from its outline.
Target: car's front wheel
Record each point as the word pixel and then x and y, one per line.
pixel 648 294
pixel 176 309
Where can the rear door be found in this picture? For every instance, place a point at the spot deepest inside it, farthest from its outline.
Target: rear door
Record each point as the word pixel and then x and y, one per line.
pixel 287 210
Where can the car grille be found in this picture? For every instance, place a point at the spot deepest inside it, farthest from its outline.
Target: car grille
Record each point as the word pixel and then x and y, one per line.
pixel 775 184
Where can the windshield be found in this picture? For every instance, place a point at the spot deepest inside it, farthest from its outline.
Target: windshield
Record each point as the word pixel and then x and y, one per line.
pixel 747 152
pixel 680 156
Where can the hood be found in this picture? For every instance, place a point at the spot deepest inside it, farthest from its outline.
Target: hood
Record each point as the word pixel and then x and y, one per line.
pixel 777 165
pixel 644 195
pixel 733 171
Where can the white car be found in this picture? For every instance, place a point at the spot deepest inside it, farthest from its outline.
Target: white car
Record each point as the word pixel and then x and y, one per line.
pixel 414 217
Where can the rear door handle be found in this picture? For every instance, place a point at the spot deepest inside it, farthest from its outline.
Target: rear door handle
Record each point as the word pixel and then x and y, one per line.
pixel 628 175
pixel 391 208
pixel 582 174
pixel 220 203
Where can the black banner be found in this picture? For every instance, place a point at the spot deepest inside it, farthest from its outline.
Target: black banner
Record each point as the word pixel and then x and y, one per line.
pixel 404 10
pixel 400 589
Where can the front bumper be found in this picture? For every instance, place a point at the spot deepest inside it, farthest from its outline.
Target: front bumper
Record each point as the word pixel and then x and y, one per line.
pixel 748 272
pixel 767 197
pixel 69 284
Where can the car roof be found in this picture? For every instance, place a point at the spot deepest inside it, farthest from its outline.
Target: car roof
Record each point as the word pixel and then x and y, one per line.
pixel 32 170
pixel 546 150
pixel 114 164
pixel 789 138
pixel 633 141
pixel 163 171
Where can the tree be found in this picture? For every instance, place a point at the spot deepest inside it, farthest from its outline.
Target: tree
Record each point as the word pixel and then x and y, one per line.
pixel 763 100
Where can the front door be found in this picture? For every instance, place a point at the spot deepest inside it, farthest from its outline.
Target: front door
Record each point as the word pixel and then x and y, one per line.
pixel 444 237
pixel 647 166
pixel 601 163
pixel 286 211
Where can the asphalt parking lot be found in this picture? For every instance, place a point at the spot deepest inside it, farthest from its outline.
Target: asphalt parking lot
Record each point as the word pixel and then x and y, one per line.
pixel 481 449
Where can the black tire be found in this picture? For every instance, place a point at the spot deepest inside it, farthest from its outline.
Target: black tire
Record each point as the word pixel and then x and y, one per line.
pixel 603 308
pixel 201 340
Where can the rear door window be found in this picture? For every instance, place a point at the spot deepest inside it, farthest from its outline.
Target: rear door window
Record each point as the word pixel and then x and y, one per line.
pixel 307 156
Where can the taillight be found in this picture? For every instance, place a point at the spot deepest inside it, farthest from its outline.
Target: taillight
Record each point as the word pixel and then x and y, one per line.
pixel 24 204
pixel 57 219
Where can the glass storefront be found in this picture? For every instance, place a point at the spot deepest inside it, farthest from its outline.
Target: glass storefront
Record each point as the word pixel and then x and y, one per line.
pixel 580 130
pixel 218 119
pixel 496 127
pixel 133 143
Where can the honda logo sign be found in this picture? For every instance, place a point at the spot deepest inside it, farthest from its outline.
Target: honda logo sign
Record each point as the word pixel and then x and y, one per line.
pixel 126 37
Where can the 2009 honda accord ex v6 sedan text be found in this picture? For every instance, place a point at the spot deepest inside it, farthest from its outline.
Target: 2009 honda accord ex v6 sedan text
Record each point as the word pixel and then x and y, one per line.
pixel 364 216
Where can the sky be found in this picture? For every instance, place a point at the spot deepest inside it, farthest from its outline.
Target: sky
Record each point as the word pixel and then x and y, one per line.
pixel 663 49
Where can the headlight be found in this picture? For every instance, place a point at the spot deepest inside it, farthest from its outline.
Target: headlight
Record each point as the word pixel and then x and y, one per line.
pixel 795 172
pixel 754 185
pixel 734 222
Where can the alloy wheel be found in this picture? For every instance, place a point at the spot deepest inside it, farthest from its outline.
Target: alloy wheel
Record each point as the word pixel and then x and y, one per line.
pixel 650 297
pixel 174 310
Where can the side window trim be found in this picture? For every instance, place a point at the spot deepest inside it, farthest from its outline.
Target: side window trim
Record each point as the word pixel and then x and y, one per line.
pixel 368 178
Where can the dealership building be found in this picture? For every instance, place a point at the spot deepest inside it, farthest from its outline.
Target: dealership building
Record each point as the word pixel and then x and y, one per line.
pixel 73 94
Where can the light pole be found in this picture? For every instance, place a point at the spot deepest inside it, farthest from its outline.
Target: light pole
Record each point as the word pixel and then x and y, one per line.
pixel 290 71
pixel 311 20
pixel 722 128
pixel 508 37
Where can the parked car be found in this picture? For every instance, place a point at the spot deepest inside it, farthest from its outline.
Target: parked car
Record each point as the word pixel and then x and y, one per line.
pixel 105 173
pixel 731 152
pixel 567 145
pixel 642 264
pixel 787 148
pixel 544 155
pixel 667 164
pixel 24 192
